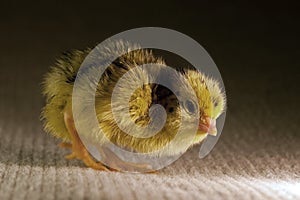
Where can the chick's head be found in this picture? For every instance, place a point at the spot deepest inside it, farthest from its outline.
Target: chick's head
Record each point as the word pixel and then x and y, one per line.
pixel 203 100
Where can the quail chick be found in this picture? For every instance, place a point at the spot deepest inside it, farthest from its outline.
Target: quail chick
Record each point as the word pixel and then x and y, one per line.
pixel 58 119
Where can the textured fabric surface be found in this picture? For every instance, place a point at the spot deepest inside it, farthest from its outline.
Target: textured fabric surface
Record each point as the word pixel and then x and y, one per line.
pixel 249 162
pixel 257 156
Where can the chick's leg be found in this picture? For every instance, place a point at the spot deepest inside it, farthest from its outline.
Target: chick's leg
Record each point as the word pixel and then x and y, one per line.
pixel 65 145
pixel 78 149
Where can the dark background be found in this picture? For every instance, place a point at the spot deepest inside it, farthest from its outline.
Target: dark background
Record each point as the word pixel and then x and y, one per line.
pixel 254 44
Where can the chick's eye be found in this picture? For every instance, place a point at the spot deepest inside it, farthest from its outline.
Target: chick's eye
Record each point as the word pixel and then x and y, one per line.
pixel 216 104
pixel 190 106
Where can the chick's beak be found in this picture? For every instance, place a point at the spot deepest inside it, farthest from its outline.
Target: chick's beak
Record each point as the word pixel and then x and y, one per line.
pixel 208 126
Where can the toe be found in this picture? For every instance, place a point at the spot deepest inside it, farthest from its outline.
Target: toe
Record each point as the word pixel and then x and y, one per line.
pixel 70 156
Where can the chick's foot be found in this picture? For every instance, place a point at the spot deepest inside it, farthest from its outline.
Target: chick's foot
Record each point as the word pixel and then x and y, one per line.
pixel 78 149
pixel 116 163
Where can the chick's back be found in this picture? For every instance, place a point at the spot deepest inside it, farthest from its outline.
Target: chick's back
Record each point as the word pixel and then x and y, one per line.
pixel 59 81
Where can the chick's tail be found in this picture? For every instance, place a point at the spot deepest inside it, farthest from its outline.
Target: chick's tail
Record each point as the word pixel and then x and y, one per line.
pixel 57 87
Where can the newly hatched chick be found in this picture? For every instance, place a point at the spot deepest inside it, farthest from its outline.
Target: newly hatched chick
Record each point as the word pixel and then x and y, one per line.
pixel 58 117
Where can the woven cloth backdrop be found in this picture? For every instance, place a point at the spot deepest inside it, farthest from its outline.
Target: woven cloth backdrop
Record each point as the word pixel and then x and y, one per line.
pixel 257 156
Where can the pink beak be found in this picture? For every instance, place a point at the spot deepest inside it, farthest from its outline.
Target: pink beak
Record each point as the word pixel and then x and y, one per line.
pixel 209 126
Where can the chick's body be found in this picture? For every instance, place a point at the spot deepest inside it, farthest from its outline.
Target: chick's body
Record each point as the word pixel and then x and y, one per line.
pixel 58 88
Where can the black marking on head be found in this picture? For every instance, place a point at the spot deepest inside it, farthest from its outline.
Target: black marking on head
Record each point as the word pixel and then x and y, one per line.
pixel 161 92
pixel 171 109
